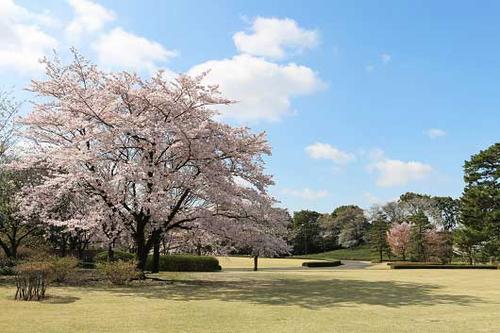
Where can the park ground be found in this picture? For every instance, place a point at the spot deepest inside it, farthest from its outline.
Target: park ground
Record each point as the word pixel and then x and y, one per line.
pixel 281 297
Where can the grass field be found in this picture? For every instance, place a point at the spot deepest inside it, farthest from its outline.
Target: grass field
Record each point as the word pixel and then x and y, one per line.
pixel 363 252
pixel 282 297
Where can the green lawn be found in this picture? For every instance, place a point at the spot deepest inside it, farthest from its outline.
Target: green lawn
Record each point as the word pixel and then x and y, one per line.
pixel 282 297
pixel 363 252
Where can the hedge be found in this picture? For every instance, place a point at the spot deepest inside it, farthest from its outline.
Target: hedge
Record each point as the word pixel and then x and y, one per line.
pixel 117 255
pixel 322 263
pixel 185 263
pixel 417 265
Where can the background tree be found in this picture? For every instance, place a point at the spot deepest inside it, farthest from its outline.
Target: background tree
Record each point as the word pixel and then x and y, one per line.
pixel 9 108
pixel 398 238
pixel 378 233
pixel 15 229
pixel 449 209
pixel 306 232
pixel 420 225
pixel 346 226
pixel 439 246
pixel 480 202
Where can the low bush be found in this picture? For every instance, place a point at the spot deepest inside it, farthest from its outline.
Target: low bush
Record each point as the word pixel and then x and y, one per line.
pixel 63 268
pixel 186 263
pixel 32 279
pixel 87 265
pixel 119 272
pixel 7 266
pixel 423 265
pixel 117 255
pixel 322 263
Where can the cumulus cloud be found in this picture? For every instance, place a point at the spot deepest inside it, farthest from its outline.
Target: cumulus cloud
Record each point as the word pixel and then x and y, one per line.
pixel 319 150
pixel 434 133
pixel 119 49
pixel 89 17
pixel 306 193
pixel 273 37
pixel 263 89
pixel 393 173
pixel 385 58
pixel 23 40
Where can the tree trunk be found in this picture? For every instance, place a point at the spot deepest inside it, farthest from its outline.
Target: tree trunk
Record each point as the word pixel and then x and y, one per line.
pixel 111 253
pixel 156 254
pixel 141 249
pixel 255 263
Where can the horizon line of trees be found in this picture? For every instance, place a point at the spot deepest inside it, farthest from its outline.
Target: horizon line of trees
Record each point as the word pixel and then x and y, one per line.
pixel 417 227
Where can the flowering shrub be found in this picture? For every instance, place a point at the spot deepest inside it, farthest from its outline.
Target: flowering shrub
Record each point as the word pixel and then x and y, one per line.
pixel 63 268
pixel 119 272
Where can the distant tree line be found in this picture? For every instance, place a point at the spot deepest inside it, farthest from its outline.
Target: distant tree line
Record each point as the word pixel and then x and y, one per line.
pixel 417 227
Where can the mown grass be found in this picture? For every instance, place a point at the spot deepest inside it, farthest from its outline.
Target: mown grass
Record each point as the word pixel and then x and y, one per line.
pixel 279 298
pixel 363 252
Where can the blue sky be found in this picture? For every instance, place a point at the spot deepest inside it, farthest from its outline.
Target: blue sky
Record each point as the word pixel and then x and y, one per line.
pixel 361 100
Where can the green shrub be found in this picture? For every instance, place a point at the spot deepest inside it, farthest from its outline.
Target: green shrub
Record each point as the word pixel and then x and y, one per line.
pixel 7 266
pixel 87 265
pixel 423 265
pixel 119 272
pixel 63 268
pixel 32 279
pixel 322 263
pixel 117 255
pixel 186 263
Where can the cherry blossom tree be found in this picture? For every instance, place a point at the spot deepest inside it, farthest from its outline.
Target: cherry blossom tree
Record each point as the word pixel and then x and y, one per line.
pixel 398 238
pixel 146 156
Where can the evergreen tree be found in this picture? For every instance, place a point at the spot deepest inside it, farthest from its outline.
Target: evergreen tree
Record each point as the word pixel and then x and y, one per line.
pixel 480 203
pixel 419 226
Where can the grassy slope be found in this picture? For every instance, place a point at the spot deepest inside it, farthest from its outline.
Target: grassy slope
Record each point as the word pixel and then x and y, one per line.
pixel 300 300
pixel 363 252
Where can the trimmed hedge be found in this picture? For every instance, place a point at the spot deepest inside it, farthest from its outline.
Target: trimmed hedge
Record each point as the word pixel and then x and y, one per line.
pixel 322 263
pixel 117 255
pixel 186 263
pixel 423 265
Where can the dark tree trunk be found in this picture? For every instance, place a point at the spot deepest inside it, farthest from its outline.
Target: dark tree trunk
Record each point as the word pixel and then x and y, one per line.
pixel 111 252
pixel 156 254
pixel 255 263
pixel 6 249
pixel 142 249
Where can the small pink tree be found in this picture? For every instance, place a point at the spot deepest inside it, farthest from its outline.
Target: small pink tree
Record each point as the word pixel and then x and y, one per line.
pixel 438 245
pixel 398 238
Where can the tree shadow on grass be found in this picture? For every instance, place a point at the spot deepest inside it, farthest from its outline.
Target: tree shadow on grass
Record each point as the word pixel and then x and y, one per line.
pixel 310 294
pixel 55 299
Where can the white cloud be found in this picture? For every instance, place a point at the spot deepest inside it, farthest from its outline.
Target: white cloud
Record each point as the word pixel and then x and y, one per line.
pixel 119 49
pixel 399 173
pixel 393 173
pixel 263 89
pixel 22 38
pixel 326 151
pixel 273 37
pixel 89 17
pixel 385 58
pixel 434 133
pixel 306 193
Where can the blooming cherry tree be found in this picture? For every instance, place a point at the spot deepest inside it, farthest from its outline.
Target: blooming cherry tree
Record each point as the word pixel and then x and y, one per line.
pixel 146 156
pixel 398 238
